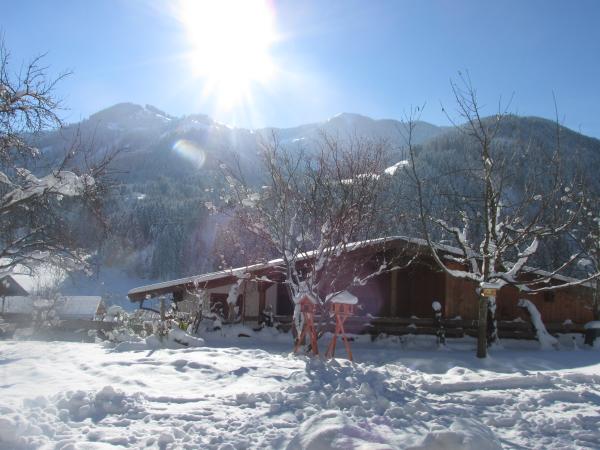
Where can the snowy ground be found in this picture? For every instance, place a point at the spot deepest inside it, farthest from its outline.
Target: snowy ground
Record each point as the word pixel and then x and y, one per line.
pixel 248 393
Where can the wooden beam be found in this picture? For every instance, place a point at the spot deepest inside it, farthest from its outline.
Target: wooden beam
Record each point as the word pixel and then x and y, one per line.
pixel 262 297
pixel 393 300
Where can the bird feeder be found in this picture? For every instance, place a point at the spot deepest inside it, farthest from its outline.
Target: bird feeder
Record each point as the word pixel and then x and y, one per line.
pixel 343 305
pixel 307 309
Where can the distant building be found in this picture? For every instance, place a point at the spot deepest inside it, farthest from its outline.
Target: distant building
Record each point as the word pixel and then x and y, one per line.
pixel 81 307
pixel 9 287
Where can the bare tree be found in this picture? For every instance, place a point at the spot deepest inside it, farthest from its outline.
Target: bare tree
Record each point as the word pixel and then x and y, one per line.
pixel 496 206
pixel 39 201
pixel 318 209
pixel 586 238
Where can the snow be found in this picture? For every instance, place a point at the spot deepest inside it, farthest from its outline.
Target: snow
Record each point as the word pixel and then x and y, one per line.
pixel 197 280
pixel 232 295
pixel 67 307
pixel 466 434
pixel 343 297
pixel 594 325
pixel 303 295
pixel 4 179
pixel 546 340
pixel 393 169
pixel 62 182
pixel 175 338
pixel 252 393
pixel 46 276
pixel 251 200
pixel 79 307
pixel 113 312
pixel 488 285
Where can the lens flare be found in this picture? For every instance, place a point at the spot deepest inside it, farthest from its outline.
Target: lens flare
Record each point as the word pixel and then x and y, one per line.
pixel 190 151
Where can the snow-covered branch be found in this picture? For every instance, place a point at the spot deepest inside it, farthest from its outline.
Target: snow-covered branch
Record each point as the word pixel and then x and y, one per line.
pixel 44 206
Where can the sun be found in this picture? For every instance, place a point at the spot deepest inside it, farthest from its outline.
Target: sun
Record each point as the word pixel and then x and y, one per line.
pixel 231 42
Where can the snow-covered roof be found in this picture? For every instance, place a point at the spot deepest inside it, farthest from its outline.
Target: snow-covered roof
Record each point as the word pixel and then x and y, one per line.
pixel 343 297
pixel 68 307
pixel 240 272
pixel 593 325
pixel 80 307
pixel 9 286
pixel 243 272
pixel 305 295
pixel 44 276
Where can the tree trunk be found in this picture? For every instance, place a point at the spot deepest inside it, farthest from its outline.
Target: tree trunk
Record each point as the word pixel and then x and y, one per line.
pixel 492 325
pixel 596 301
pixel 482 328
pixel 162 319
pixel 162 309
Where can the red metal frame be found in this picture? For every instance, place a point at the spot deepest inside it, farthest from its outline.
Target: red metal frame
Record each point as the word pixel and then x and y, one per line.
pixel 341 312
pixel 307 308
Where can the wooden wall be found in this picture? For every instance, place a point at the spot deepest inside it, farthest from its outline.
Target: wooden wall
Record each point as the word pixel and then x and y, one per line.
pixel 410 292
pixel 418 287
pixel 555 307
pixel 402 293
pixel 461 299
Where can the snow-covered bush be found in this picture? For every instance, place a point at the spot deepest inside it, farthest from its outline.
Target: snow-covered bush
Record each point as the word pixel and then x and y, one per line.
pixel 145 329
pixel 127 327
pixel 44 312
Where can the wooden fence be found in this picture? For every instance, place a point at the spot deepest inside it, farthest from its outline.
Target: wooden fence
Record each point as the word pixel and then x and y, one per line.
pixel 454 328
pixel 374 326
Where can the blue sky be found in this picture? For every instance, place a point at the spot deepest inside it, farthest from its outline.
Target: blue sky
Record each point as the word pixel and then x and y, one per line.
pixel 371 57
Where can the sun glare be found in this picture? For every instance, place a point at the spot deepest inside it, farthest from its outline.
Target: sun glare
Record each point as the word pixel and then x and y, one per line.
pixel 231 44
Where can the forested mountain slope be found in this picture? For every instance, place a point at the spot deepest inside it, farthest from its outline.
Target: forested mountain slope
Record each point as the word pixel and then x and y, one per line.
pixel 169 170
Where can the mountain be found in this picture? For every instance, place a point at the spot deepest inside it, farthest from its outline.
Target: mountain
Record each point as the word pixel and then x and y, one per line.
pixel 170 168
pixel 530 137
pixel 150 136
pixel 348 125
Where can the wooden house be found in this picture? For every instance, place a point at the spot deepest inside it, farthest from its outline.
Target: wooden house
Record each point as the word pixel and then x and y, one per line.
pixel 10 288
pixel 395 301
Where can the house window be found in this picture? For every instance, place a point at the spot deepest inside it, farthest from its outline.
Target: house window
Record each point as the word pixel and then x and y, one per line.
pixel 284 303
pixel 218 304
